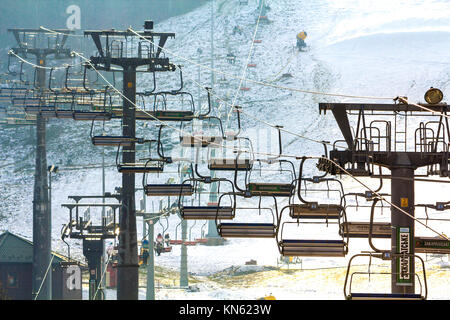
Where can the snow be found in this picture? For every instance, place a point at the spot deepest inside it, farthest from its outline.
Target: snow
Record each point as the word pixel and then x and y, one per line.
pixel 383 49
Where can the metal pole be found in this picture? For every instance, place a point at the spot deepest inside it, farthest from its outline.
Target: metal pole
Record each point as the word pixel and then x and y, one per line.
pixel 184 281
pixel 41 213
pixel 212 44
pixel 93 251
pixel 402 195
pixel 151 261
pixel 104 257
pixel 128 267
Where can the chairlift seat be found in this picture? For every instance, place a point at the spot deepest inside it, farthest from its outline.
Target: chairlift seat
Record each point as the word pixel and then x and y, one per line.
pixel 271 189
pixel 257 41
pixel 123 141
pixel 171 115
pixel 22 102
pixel 206 212
pixel 139 168
pixel 168 189
pixel 384 296
pixel 247 230
pixel 315 211
pixel 230 164
pixel 35 109
pixel 64 114
pixel 91 115
pixel 313 248
pixel 201 141
pixel 361 230
pixel 190 243
pixel 176 242
pixel 201 240
pixel 358 172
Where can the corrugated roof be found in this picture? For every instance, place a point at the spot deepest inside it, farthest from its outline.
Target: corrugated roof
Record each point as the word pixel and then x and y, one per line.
pixel 15 249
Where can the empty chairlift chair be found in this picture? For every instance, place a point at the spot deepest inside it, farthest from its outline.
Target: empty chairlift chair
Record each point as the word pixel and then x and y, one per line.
pixel 270 189
pixel 168 189
pixel 350 294
pixel 309 247
pixel 235 163
pixel 209 212
pixel 314 210
pixel 249 230
pixel 147 165
pixel 196 138
pixel 368 230
pixel 275 189
pixel 165 102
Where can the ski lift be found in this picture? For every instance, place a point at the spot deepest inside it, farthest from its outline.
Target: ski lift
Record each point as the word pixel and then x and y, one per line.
pixel 160 99
pixel 367 230
pixel 249 230
pixel 197 139
pixel 209 212
pixel 202 239
pixel 191 242
pixel 350 295
pixel 148 166
pixel 309 247
pixel 176 241
pixel 314 210
pixel 231 58
pixel 111 140
pixel 270 188
pixel 170 189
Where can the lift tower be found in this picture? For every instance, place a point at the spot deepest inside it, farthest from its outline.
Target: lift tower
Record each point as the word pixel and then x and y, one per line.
pixel 377 143
pixel 41 44
pixel 129 51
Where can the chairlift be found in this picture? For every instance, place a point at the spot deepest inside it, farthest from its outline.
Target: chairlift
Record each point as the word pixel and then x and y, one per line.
pixel 351 295
pixel 231 58
pixel 163 114
pixel 209 212
pixel 111 140
pixel 170 189
pixel 198 139
pixel 270 188
pixel 202 239
pixel 309 247
pixel 141 167
pixel 176 241
pixel 314 210
pixel 249 230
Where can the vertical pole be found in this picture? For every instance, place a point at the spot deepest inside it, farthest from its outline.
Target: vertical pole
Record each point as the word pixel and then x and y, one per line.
pixel 127 285
pixel 402 195
pixel 184 281
pixel 93 251
pixel 151 261
pixel 104 257
pixel 212 44
pixel 144 210
pixel 41 213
